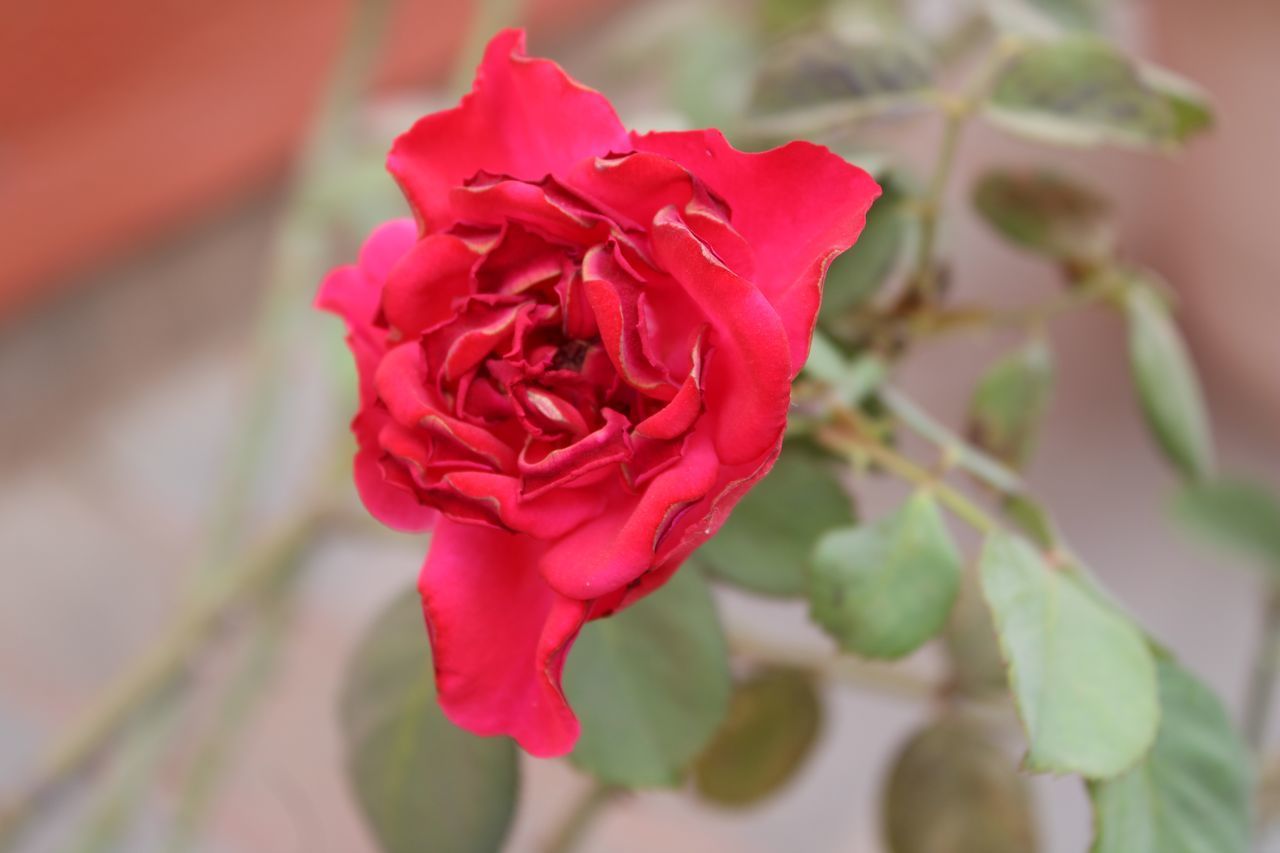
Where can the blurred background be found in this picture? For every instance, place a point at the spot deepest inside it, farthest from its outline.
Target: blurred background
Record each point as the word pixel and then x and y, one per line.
pixel 174 180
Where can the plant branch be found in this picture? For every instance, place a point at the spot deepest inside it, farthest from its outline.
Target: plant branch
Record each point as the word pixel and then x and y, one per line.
pixel 849 671
pixel 170 657
pixel 957 111
pixel 570 832
pixel 1262 679
pixel 847 437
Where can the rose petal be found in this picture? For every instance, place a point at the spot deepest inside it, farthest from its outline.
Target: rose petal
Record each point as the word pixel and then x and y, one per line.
pixel 545 516
pixel 422 287
pixel 524 117
pixel 798 207
pixel 614 295
pixel 747 384
pixel 499 636
pixel 393 505
pixel 620 544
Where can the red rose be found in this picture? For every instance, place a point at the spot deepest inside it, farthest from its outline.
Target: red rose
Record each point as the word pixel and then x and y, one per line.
pixel 575 364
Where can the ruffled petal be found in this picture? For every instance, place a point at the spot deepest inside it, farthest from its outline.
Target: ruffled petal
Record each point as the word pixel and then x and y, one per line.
pixel 499 636
pixel 620 544
pixel 748 373
pixel 393 505
pixel 524 117
pixel 798 206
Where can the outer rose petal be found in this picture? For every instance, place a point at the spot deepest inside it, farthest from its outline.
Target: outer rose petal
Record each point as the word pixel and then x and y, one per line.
pixel 499 636
pixel 395 507
pixel 524 117
pixel 798 206
pixel 353 293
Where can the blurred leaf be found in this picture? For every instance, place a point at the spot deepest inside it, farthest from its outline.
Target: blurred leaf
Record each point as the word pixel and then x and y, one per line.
pixel 1082 677
pixel 765 544
pixel 819 81
pixel 1166 383
pixel 1191 793
pixel 1046 213
pixel 858 275
pixel 650 685
pixel 1235 514
pixel 423 783
pixel 952 790
pixel 773 721
pixel 977 666
pixel 1082 91
pixel 883 589
pixel 1031 519
pixel 1009 402
pixel 713 61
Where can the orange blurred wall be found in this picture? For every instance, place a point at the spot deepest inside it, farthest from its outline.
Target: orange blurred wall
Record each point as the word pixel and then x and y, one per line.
pixel 120 119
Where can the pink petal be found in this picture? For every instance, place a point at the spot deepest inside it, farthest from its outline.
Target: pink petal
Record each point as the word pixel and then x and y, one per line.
pixel 499 636
pixel 524 117
pixel 798 206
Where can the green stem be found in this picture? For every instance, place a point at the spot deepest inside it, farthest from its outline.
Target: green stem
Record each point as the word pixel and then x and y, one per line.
pixel 880 678
pixel 926 276
pixel 1262 679
pixel 571 831
pixel 169 658
pixel 957 111
pixel 238 702
pixel 850 443
pixel 963 454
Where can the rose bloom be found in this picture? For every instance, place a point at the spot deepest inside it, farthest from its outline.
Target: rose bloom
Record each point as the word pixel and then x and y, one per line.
pixel 574 363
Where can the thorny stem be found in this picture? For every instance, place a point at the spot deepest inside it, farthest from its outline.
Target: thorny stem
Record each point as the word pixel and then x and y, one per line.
pixel 571 831
pixel 169 659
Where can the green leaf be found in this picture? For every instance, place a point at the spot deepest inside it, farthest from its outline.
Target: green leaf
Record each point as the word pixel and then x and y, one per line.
pixel 773 722
pixel 1083 91
pixel 883 589
pixel 1082 676
pixel 818 80
pixel 765 544
pixel 423 783
pixel 1166 383
pixel 1046 213
pixel 650 685
pixel 952 790
pixel 1009 402
pixel 858 274
pixel 1235 514
pixel 1191 793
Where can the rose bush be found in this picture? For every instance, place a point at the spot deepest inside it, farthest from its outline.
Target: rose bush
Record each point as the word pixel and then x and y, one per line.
pixel 574 364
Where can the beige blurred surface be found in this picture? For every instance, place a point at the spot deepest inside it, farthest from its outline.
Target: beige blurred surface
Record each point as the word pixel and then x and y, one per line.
pixel 117 406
